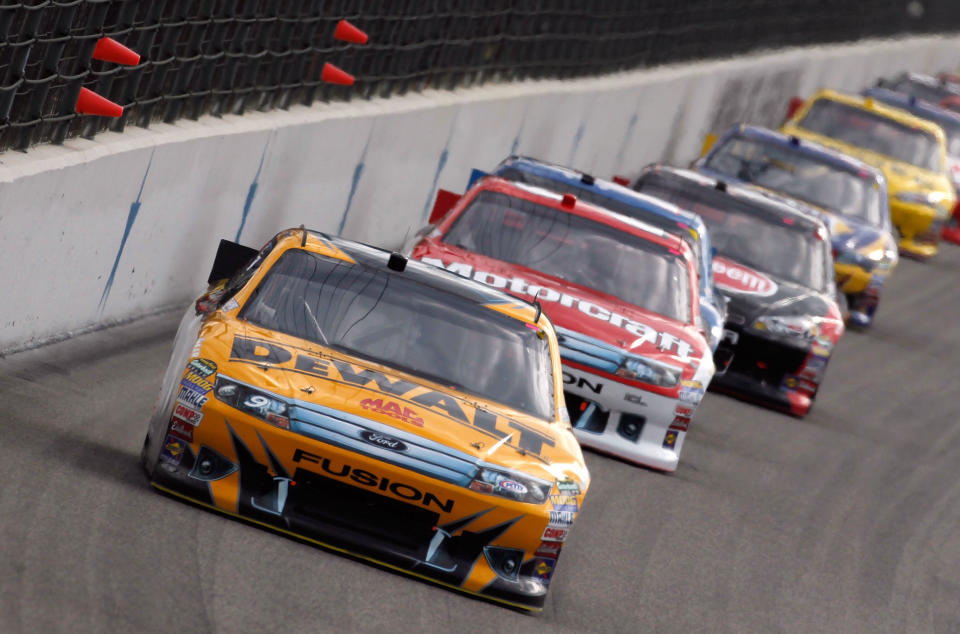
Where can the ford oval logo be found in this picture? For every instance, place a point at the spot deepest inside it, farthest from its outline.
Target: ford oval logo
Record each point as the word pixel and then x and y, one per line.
pixel 380 440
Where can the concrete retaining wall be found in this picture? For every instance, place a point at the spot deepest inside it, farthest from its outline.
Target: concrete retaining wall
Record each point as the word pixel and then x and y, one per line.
pixel 100 231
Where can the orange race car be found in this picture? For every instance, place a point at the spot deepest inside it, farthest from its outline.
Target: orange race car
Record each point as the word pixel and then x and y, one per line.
pixel 339 393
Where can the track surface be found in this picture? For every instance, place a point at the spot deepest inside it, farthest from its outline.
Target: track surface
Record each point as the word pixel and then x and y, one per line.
pixel 847 521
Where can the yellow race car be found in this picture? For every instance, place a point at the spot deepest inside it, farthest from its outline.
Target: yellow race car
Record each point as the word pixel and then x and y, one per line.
pixel 385 408
pixel 910 151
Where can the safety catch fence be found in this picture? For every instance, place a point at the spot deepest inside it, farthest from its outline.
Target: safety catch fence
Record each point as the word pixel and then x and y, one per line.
pixel 230 56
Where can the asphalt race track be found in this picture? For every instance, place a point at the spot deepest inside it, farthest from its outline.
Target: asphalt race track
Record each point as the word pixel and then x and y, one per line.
pixel 847 521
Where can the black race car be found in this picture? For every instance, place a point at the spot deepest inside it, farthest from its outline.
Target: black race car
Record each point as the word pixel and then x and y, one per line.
pixel 774 266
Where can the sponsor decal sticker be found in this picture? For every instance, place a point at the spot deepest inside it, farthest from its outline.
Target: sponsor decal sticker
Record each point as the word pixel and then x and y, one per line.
pixel 513 486
pixel 670 440
pixel 568 486
pixel 741 279
pixel 181 429
pixel 665 341
pixel 552 534
pixel 203 367
pixel 679 423
pixel 196 382
pixel 543 568
pixel 191 397
pixel 564 502
pixel 683 410
pixel 328 467
pixel 691 394
pixel 173 449
pixel 562 519
pixel 196 348
pixel 230 304
pixel 393 409
pixel 548 550
pixel 187 414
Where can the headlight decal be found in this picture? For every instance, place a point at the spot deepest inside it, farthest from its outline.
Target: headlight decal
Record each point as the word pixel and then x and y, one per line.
pixel 649 371
pixel 797 327
pixel 511 485
pixel 253 402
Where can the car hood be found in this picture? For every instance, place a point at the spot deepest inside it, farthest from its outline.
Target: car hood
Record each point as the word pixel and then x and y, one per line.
pixel 851 234
pixel 579 309
pixel 753 294
pixel 324 384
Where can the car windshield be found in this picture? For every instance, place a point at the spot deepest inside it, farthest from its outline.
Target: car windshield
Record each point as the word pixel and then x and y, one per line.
pixel 575 249
pixel 874 132
pixel 800 175
pixel 746 232
pixel 612 203
pixel 918 89
pixel 408 325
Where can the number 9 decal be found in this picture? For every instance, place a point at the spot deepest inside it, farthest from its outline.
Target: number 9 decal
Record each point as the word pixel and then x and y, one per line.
pixel 256 401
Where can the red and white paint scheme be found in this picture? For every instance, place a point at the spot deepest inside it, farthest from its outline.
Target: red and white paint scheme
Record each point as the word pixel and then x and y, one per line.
pixel 601 336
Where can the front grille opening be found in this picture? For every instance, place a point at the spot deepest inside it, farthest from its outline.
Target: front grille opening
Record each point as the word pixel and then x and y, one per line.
pixel 630 426
pixel 765 361
pixel 585 417
pixel 404 525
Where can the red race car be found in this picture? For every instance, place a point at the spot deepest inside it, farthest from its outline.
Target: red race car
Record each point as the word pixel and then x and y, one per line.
pixel 622 295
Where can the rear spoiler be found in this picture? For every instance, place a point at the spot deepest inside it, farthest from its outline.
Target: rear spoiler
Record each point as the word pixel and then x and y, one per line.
pixel 444 203
pixel 475 175
pixel 229 259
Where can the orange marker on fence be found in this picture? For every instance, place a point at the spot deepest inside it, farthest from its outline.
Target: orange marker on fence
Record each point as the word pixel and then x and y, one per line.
pixel 346 32
pixel 333 75
pixel 89 102
pixel 110 50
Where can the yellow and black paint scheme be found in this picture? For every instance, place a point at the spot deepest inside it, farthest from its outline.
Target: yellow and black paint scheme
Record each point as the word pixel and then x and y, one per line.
pixel 920 199
pixel 360 457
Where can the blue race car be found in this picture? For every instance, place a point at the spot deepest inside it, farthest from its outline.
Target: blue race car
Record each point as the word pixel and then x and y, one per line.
pixel 848 195
pixel 666 216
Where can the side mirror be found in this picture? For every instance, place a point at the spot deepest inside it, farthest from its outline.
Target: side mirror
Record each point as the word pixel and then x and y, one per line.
pixel 793 107
pixel 708 142
pixel 229 259
pixel 444 203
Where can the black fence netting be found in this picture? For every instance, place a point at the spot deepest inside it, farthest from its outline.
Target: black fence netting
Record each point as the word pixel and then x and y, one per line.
pixel 230 56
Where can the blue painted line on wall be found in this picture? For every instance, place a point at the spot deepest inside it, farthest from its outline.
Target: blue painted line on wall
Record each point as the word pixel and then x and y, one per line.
pixel 576 142
pixel 248 203
pixel 357 174
pixel 523 124
pixel 131 218
pixel 626 140
pixel 441 163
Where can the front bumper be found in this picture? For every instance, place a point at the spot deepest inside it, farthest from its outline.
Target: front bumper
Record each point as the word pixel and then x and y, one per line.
pixel 919 227
pixel 637 425
pixel 394 516
pixel 759 370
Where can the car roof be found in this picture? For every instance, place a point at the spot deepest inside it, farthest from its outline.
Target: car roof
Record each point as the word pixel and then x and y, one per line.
pixel 593 212
pixel 923 109
pixel 768 202
pixel 866 103
pixel 626 195
pixel 358 252
pixel 806 147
